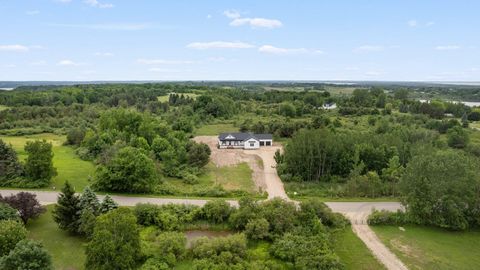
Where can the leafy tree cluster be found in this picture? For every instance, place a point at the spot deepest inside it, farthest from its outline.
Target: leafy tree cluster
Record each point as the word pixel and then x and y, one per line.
pixel 26 205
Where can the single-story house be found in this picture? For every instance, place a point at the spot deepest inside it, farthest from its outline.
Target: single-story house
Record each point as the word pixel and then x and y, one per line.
pixel 244 140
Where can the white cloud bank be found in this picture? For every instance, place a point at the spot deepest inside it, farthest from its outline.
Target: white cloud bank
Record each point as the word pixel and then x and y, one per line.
pixel 369 48
pixel 237 20
pixel 95 3
pixel 219 45
pixel 277 50
pixel 14 48
pixel 67 62
pixel 163 62
pixel 447 47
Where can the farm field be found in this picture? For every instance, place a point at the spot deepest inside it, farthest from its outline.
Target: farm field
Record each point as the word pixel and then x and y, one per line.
pixel 69 166
pixel 166 97
pixel 432 248
pixel 215 129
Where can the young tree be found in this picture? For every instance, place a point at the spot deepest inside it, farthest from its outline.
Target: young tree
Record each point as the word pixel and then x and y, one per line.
pixel 66 212
pixel 198 154
pixel 89 199
pixel 11 232
pixel 217 211
pixel 86 222
pixel 129 171
pixel 27 254
pixel 257 229
pixel 115 242
pixel 457 137
pixel 39 163
pixel 26 203
pixel 10 167
pixel 108 204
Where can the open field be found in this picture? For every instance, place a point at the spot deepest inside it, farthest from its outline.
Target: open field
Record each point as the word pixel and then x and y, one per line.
pixel 353 252
pixel 69 166
pixel 166 97
pixel 432 248
pixel 215 129
pixel 68 252
pixel 3 107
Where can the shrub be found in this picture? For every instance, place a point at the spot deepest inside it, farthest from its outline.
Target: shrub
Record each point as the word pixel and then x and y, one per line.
pixel 8 213
pixel 223 250
pixel 257 229
pixel 11 232
pixel 26 204
pixel 217 211
pixel 27 254
pixel 166 247
pixel 384 217
pixel 323 212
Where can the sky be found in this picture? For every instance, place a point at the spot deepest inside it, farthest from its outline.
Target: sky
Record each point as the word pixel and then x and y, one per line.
pixel 373 40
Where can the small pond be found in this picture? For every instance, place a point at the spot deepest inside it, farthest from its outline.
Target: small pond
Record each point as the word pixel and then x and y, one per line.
pixel 195 234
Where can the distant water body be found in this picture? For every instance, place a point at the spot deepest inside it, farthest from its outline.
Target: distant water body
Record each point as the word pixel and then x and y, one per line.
pixel 7 89
pixel 466 103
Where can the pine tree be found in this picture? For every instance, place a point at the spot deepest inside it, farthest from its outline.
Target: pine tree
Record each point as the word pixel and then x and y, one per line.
pixel 89 199
pixel 67 210
pixel 87 222
pixel 108 204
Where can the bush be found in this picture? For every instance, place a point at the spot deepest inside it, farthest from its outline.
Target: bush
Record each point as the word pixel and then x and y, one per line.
pixel 190 179
pixel 8 213
pixel 320 210
pixel 166 247
pixel 217 211
pixel 257 229
pixel 27 254
pixel 384 217
pixel 11 232
pixel 223 250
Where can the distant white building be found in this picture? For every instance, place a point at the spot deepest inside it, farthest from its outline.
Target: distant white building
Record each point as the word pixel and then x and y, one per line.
pixel 329 106
pixel 244 140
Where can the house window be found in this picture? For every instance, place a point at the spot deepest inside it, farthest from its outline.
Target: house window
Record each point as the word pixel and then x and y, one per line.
pixel 252 144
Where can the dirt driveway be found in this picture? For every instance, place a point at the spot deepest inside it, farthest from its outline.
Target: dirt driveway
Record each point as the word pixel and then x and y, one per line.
pixel 261 162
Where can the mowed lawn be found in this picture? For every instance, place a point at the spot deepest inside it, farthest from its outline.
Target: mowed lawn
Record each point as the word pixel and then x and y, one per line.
pixel 432 248
pixel 353 253
pixel 215 129
pixel 67 251
pixel 69 166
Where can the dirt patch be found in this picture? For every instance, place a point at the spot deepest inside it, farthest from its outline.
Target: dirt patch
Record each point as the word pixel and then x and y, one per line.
pixel 232 157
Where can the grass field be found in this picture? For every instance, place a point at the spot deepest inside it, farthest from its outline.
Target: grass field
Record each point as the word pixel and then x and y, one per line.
pixel 67 251
pixel 432 248
pixel 166 97
pixel 215 129
pixel 353 252
pixel 69 166
pixel 3 107
pixel 231 178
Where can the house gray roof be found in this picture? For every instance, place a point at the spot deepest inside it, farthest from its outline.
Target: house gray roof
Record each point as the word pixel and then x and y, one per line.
pixel 242 136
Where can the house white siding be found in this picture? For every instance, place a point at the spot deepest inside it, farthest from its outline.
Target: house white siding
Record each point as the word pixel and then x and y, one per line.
pixel 252 144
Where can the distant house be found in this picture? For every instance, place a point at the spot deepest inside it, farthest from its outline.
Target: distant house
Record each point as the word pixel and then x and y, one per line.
pixel 244 140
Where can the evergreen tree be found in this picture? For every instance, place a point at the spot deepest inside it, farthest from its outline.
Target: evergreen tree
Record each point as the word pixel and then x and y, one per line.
pixel 107 205
pixel 87 222
pixel 89 199
pixel 10 167
pixel 67 210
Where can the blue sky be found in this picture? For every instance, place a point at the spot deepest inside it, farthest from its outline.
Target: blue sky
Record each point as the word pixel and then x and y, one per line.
pixel 239 40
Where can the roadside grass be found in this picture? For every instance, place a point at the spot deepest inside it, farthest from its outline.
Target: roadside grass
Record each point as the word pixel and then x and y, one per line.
pixel 67 251
pixel 231 178
pixel 215 129
pixel 352 251
pixel 69 166
pixel 166 97
pixel 422 247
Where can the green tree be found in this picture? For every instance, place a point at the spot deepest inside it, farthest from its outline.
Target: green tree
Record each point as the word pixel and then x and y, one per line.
pixel 115 242
pixel 441 189
pixel 27 254
pixel 217 211
pixel 89 199
pixel 257 229
pixel 39 163
pixel 86 222
pixel 457 137
pixel 66 212
pixel 129 171
pixel 108 204
pixel 166 247
pixel 10 167
pixel 198 154
pixel 11 232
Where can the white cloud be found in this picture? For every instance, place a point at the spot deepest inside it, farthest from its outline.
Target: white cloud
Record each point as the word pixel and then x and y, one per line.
pixel 256 22
pixel 209 16
pixel 63 1
pixel 447 47
pixel 412 23
pixel 14 48
pixel 429 24
pixel 67 62
pixel 109 26
pixel 163 61
pixel 369 48
pixel 219 45
pixel 38 63
pixel 232 14
pixel 32 12
pixel 276 50
pixel 237 20
pixel 95 3
pixel 163 70
pixel 106 54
